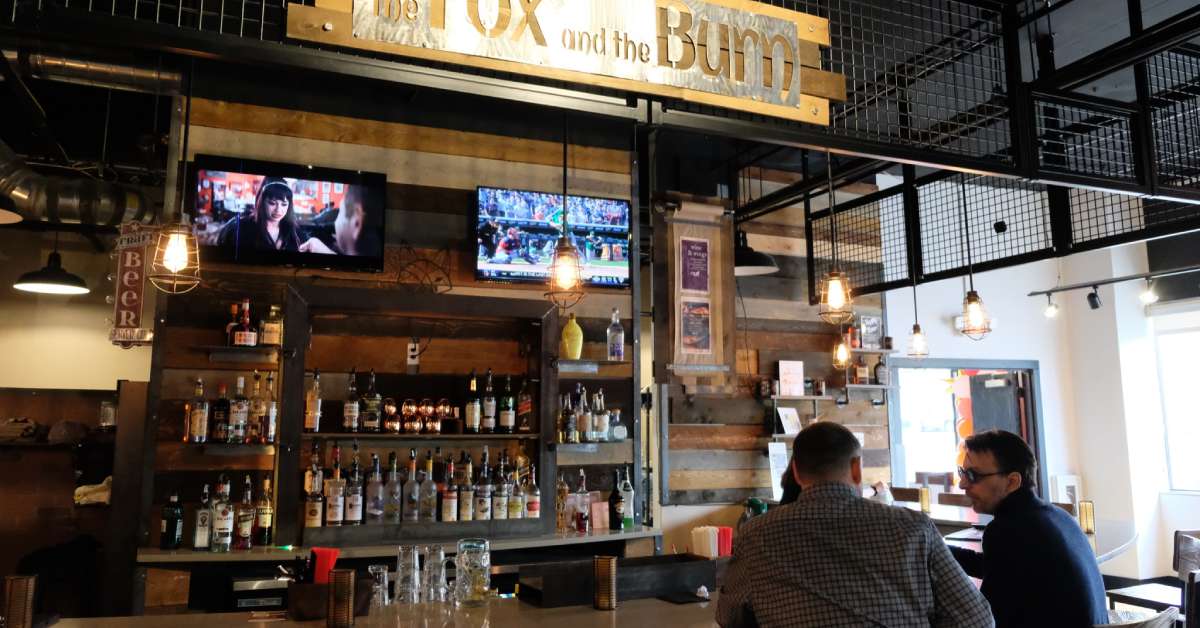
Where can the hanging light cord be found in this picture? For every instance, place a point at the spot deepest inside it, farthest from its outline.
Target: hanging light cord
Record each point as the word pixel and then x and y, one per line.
pixel 966 235
pixel 914 303
pixel 564 162
pixel 183 157
pixel 832 205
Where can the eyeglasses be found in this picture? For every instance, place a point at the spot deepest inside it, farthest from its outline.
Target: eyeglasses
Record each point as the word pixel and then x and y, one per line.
pixel 972 476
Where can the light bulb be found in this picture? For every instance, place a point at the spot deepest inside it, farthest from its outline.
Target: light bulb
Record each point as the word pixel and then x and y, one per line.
pixel 918 344
pixel 975 314
pixel 175 257
pixel 1051 310
pixel 565 276
pixel 841 355
pixel 836 293
pixel 1148 296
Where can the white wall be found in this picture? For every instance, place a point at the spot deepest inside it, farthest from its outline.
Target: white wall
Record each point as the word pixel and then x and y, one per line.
pixel 55 341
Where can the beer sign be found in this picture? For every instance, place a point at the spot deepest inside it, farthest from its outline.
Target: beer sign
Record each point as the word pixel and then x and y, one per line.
pixel 133 255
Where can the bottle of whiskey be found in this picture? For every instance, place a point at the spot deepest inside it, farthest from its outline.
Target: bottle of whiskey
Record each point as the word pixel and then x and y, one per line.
pixel 569 432
pixel 312 404
pixel 449 509
pixel 483 490
pixel 231 326
pixel 561 491
pixel 350 407
pixel 354 492
pixel 487 424
pixel 258 412
pixel 314 501
pixel 627 497
pixel 271 417
pixel 583 506
pixel 412 490
pixel 370 412
pixel 429 492
pixel 203 530
pixel 222 537
pixel 394 500
pixel 264 516
pixel 197 415
pixel 616 338
pixel 239 414
pixel 474 410
pixel 862 374
pixel 172 524
pixel 220 415
pixel 600 419
pixel 508 409
pixel 375 498
pixel 616 503
pixel 244 519
pixel 245 334
pixel 271 329
pixel 525 408
pixel 500 490
pixel 583 416
pixel 516 497
pixel 466 489
pixel 881 372
pixel 533 496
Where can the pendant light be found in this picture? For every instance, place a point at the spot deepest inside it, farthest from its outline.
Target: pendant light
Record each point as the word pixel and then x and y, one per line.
pixel 841 352
pixel 175 267
pixel 8 212
pixel 976 322
pixel 1148 296
pixel 836 305
pixel 566 270
pixel 747 262
pixel 918 344
pixel 52 278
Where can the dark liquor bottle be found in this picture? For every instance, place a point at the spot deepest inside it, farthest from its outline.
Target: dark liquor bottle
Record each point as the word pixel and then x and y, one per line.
pixel 350 407
pixel 487 424
pixel 172 524
pixel 474 410
pixel 264 516
pixel 371 404
pixel 243 516
pixel 220 415
pixel 232 325
pixel 354 492
pixel 245 334
pixel 508 409
pixel 524 408
pixel 196 415
pixel 616 503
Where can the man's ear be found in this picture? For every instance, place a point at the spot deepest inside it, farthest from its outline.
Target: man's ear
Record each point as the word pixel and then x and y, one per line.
pixel 1015 481
pixel 795 473
pixel 856 469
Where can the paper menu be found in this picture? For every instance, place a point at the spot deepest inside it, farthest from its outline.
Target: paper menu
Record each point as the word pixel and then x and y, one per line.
pixel 791 378
pixel 777 453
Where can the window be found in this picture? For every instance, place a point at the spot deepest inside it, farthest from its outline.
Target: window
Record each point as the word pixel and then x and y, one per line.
pixel 1177 351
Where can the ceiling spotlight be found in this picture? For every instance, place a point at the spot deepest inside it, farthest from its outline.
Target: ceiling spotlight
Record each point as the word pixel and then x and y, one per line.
pixel 1093 298
pixel 1051 310
pixel 1148 296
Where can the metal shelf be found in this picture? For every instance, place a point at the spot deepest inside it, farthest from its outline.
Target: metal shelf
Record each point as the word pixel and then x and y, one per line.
pixel 873 351
pixel 406 437
pixel 584 367
pixel 802 398
pixel 867 386
pixel 245 355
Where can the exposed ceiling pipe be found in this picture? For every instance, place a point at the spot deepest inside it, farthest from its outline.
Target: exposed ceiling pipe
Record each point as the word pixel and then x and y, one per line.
pixel 96 73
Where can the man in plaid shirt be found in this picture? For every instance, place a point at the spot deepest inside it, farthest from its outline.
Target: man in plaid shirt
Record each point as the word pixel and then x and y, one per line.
pixel 833 559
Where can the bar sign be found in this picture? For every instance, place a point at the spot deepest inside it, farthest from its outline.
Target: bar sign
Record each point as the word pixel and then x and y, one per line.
pixel 130 286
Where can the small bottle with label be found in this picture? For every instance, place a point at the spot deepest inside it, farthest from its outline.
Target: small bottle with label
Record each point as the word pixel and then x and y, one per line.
pixel 616 338
pixel 862 373
pixel 202 532
pixel 172 524
pixel 881 373
pixel 271 329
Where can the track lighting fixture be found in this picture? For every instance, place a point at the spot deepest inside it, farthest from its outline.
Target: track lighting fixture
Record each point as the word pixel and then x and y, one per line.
pixel 1051 310
pixel 1093 298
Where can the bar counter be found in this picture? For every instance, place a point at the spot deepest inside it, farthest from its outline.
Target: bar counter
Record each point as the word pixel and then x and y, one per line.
pixel 500 614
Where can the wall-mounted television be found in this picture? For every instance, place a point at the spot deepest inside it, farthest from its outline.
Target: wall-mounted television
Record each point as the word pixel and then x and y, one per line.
pixel 516 230
pixel 259 212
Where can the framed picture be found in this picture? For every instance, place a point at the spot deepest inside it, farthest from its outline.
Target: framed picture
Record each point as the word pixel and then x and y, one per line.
pixel 1064 488
pixel 872 331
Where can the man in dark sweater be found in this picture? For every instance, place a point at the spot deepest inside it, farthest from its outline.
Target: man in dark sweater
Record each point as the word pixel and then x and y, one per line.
pixel 1037 566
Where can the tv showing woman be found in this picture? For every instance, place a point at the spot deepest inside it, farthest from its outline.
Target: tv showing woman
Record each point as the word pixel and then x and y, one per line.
pixel 272 225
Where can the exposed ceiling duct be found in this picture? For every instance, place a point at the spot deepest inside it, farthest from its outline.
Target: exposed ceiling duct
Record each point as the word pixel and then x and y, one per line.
pixel 95 73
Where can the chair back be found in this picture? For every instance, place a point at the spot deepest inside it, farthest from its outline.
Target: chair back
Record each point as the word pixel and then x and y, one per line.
pixel 1164 619
pixel 904 494
pixel 939 478
pixel 954 499
pixel 1186 557
pixel 1190 591
pixel 1067 506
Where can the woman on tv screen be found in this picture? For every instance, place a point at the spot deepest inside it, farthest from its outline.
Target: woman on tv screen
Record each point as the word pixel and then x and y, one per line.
pixel 271 226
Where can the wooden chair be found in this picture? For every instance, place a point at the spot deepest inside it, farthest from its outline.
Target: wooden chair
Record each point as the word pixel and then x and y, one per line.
pixel 954 499
pixel 1185 559
pixel 1164 619
pixel 904 494
pixel 1070 508
pixel 939 478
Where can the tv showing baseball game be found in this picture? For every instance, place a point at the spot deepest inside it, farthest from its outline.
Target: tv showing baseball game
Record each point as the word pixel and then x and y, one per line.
pixel 516 231
pixel 258 212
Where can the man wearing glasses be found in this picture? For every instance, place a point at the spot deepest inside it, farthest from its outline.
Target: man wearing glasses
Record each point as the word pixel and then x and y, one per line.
pixel 1037 566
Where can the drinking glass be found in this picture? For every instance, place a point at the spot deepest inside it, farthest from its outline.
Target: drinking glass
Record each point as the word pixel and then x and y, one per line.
pixel 473 566
pixel 434 588
pixel 408 575
pixel 380 596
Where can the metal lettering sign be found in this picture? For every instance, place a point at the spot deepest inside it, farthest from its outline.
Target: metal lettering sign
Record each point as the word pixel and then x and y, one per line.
pixel 132 252
pixel 732 53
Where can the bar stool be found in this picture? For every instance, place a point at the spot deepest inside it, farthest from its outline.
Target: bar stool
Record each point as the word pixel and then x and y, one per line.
pixel 1185 559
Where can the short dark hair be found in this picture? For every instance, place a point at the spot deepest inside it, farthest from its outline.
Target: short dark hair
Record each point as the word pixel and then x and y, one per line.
pixel 823 449
pixel 1012 453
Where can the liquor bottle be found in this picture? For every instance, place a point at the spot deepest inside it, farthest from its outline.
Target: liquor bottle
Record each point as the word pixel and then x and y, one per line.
pixel 312 404
pixel 466 490
pixel 474 410
pixel 244 519
pixel 271 329
pixel 449 508
pixel 245 334
pixel 525 408
pixel 394 500
pixel 533 496
pixel 616 338
pixel 232 325
pixel 314 501
pixel 172 524
pixel 881 373
pixel 569 430
pixel 616 429
pixel 583 418
pixel 203 530
pixel 439 467
pixel 500 490
pixel 487 423
pixel 354 492
pixel 600 418
pixel 375 497
pixel 583 506
pixel 220 416
pixel 516 497
pixel 627 497
pixel 222 538
pixel 270 424
pixel 429 493
pixel 258 412
pixel 483 490
pixel 335 491
pixel 350 407
pixel 370 407
pixel 862 374
pixel 239 414
pixel 264 516
pixel 197 415
pixel 508 409
pixel 616 503
pixel 412 490
pixel 560 505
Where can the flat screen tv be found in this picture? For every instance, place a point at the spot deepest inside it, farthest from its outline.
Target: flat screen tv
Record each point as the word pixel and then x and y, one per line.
pixel 516 230
pixel 260 212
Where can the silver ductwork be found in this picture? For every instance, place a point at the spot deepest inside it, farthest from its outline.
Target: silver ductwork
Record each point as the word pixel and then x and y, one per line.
pixel 95 73
pixel 40 197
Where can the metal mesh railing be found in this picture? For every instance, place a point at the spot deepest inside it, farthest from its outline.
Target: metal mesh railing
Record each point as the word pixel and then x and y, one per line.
pixel 264 20
pixel 1174 79
pixel 1101 219
pixel 871 245
pixel 1080 140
